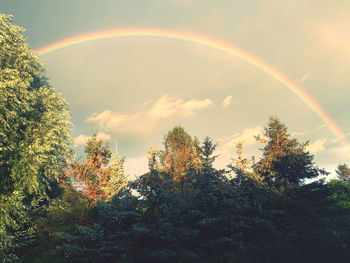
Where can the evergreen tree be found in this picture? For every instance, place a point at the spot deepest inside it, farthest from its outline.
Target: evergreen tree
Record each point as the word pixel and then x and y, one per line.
pixel 92 175
pixel 180 154
pixel 285 161
pixel 343 172
pixel 116 178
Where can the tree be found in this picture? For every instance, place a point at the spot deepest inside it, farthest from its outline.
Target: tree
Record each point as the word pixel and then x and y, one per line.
pixel 34 120
pixel 116 177
pixel 97 177
pixel 90 176
pixel 181 154
pixel 285 161
pixel 34 137
pixel 343 172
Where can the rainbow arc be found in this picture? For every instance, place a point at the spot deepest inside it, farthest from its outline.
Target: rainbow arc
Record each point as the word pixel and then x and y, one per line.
pixel 208 42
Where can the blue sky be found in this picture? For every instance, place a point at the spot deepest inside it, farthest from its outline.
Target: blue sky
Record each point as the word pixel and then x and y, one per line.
pixel 135 90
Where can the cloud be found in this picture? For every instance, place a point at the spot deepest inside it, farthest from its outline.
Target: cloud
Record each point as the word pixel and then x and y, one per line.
pixel 134 124
pixel 304 77
pixel 342 152
pixel 144 121
pixel 168 106
pixel 246 137
pixel 226 102
pixel 136 166
pixel 227 146
pixel 82 138
pixel 317 146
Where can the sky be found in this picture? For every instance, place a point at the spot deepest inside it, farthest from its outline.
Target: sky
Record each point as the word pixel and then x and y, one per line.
pixel 133 90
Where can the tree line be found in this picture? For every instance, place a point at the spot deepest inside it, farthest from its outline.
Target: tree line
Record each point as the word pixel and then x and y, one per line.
pixel 54 208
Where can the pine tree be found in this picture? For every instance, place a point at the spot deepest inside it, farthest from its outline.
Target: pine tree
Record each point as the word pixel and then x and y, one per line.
pixel 116 177
pixel 343 172
pixel 285 161
pixel 90 176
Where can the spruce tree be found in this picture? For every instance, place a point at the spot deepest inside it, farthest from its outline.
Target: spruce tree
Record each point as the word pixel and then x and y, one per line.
pixel 285 161
pixel 343 172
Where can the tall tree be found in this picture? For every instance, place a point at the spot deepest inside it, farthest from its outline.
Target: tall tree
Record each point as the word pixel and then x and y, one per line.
pixel 34 137
pixel 343 172
pixel 181 154
pixel 90 176
pixel 34 120
pixel 116 178
pixel 285 161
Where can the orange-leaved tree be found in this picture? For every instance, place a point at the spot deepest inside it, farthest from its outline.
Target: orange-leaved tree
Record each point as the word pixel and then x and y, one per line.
pixel 96 178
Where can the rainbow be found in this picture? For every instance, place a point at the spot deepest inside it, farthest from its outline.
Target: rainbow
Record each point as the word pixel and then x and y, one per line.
pixel 208 42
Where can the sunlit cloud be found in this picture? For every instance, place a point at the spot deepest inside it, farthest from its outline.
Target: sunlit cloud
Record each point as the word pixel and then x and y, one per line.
pixel 227 146
pixel 226 102
pixel 135 166
pixel 168 106
pixel 143 122
pixel 304 77
pixel 317 146
pixel 82 138
pixel 246 137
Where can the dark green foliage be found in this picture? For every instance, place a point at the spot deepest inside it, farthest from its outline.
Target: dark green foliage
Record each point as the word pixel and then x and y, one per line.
pixel 16 230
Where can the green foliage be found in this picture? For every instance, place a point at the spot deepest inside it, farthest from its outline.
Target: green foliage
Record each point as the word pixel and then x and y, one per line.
pixel 340 193
pixel 62 214
pixel 116 179
pixel 35 127
pixel 34 139
pixel 16 230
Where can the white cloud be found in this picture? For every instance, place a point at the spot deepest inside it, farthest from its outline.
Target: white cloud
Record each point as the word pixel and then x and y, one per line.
pixel 82 138
pixel 144 121
pixel 226 102
pixel 304 77
pixel 227 147
pixel 246 137
pixel 136 166
pixel 317 146
pixel 168 106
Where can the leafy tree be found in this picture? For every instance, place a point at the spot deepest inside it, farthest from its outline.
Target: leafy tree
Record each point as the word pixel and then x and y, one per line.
pixel 343 172
pixel 16 231
pixel 34 139
pixel 34 120
pixel 62 214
